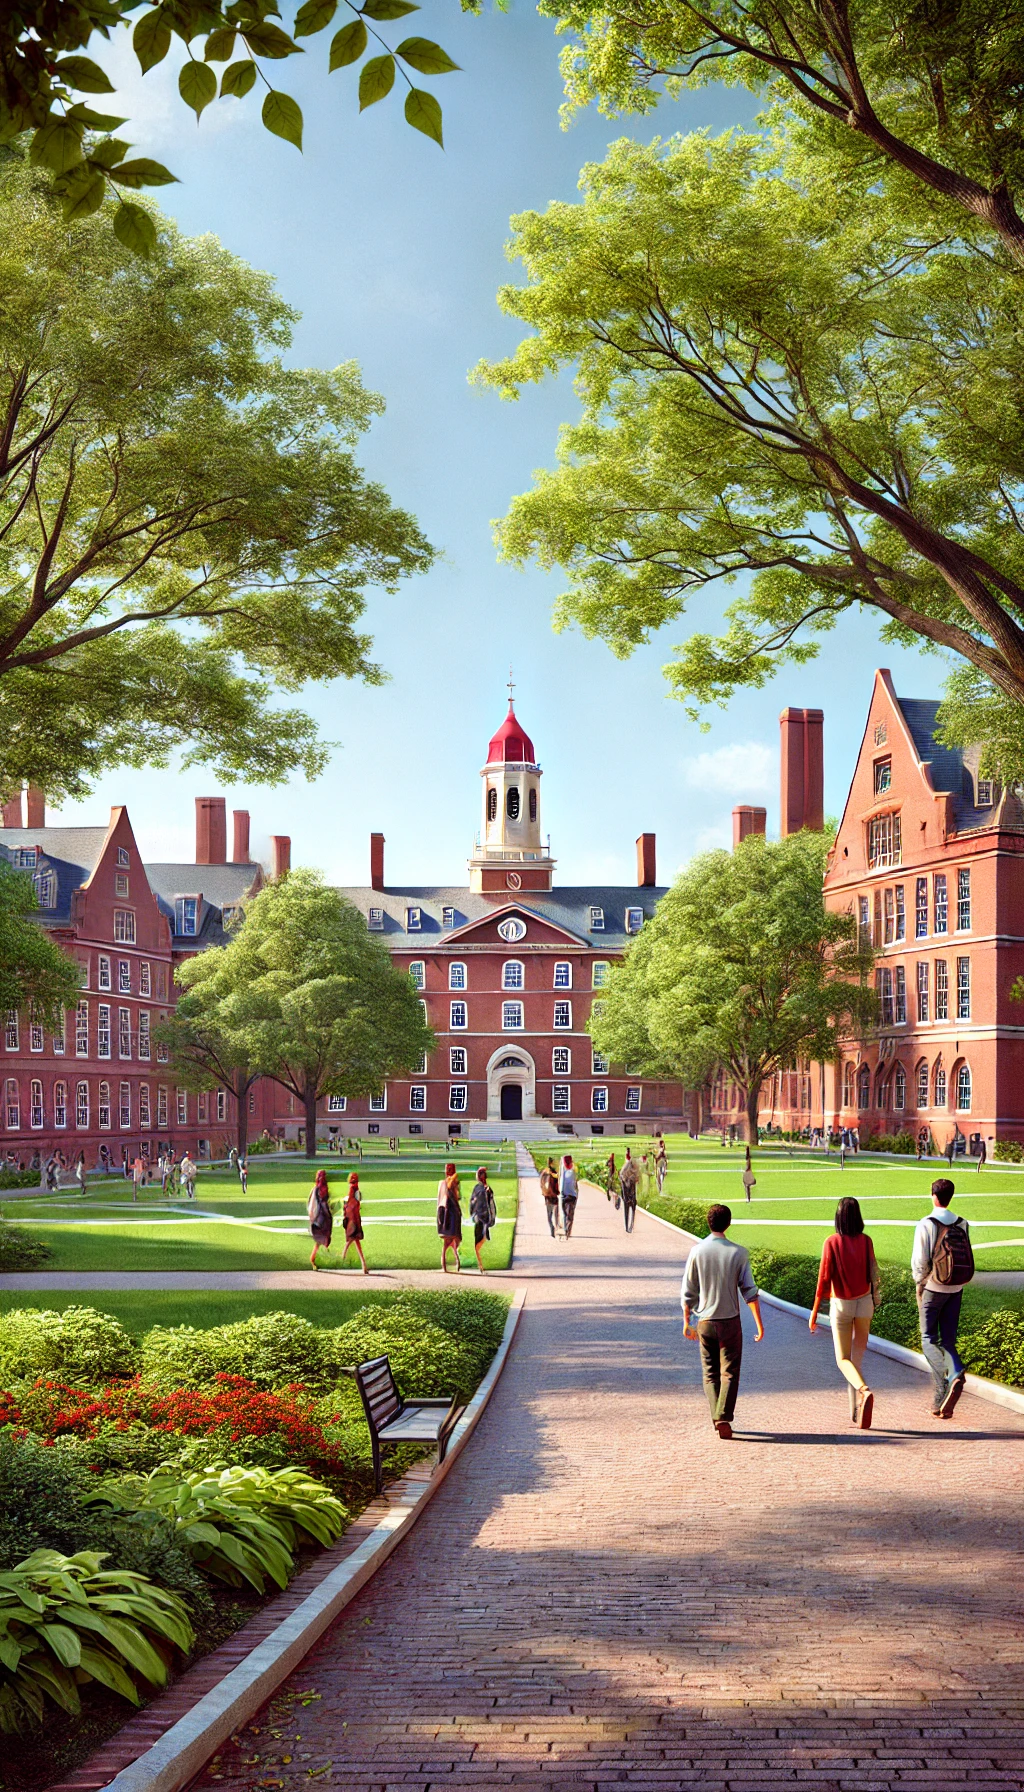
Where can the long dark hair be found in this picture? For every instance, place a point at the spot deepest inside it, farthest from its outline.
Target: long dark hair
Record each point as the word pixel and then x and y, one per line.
pixel 849 1219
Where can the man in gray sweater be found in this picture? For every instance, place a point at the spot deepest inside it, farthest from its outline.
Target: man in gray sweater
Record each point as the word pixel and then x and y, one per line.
pixel 717 1273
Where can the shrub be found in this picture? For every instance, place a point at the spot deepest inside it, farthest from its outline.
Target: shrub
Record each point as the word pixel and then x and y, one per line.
pixel 476 1320
pixel 425 1359
pixel 996 1348
pixel 1009 1151
pixel 77 1345
pixel 789 1275
pixel 19 1178
pixel 39 1500
pixel 692 1216
pixel 903 1144
pixel 19 1250
pixel 272 1350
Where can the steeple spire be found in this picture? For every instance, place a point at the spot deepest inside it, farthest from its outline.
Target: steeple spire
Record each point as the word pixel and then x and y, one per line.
pixel 510 854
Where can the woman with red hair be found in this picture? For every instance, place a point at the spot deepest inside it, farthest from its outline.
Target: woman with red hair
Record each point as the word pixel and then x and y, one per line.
pixel 352 1215
pixel 321 1219
pixel 449 1216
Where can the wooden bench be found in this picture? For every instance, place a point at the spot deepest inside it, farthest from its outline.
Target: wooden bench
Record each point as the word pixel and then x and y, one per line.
pixel 393 1420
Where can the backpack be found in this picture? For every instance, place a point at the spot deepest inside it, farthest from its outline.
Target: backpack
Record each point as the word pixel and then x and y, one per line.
pixel 952 1258
pixel 492 1208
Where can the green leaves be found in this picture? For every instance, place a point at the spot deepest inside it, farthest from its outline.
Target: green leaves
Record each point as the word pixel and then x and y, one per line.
pixel 83 75
pixel 57 145
pixel 197 85
pixel 151 39
pixel 424 114
pixel 313 16
pixel 348 44
pixel 283 116
pixel 266 39
pixel 428 58
pixel 82 191
pixel 388 9
pixel 220 44
pixel 376 80
pixel 134 227
pixel 141 172
pixel 238 79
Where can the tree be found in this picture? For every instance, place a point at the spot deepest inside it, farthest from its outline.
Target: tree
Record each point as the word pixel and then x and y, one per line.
pixel 305 995
pixel 182 523
pixel 36 977
pixel 778 378
pixel 41 77
pixel 741 969
pixel 203 1048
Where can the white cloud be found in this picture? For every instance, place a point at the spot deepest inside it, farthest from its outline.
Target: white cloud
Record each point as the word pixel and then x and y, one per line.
pixel 746 769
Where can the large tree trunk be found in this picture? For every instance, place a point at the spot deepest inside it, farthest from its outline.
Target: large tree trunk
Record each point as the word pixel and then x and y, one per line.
pixel 753 1103
pixel 309 1101
pixel 242 1116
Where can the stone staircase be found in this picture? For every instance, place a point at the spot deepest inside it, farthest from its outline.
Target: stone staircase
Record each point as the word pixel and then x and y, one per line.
pixel 521 1130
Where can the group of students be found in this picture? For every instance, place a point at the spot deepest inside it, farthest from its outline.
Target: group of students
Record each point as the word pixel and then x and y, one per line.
pixel 559 1185
pixel 483 1211
pixel 718 1275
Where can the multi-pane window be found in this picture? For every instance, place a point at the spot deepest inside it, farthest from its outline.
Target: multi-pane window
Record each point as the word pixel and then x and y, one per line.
pixel 457 1064
pixel 511 1017
pixel 181 1098
pixel 121 884
pixel 890 918
pixel 336 1104
pixel 963 1089
pixel 921 908
pixel 963 989
pixel 458 1097
pixel 512 974
pixel 883 984
pixel 922 991
pixel 899 1087
pixel 941 989
pixel 82 1106
pixel 633 1101
pixel 124 976
pixel 634 920
pixel 418 974
pixel 413 920
pixel 103 972
pixel 145 1114
pixel 58 1041
pixel 941 904
pixel 60 1104
pixel 563 974
pixel 35 1103
pixel 124 1032
pixel 186 915
pixel 103 1106
pixel 379 1103
pixel 123 857
pixel 447 917
pixel 877 935
pixel 456 976
pixel 596 925
pixel 12 1104
pixel 221 1100
pixel 103 1030
pixel 561 1060
pixel 563 1014
pixel 418 1099
pixel 144 1034
pixel 35 1036
pixel 901 913
pixel 864 921
pixel 599 1100
pixel 900 996
pixel 848 1084
pixel 202 1107
pixel 986 793
pixel 599 1065
pixel 457 1016
pixel 124 1106
pixel 560 1098
pixel 375 920
pixel 161 1105
pixel 963 899
pixel 863 1087
pixel 599 973
pixel 145 979
pixel 124 927
pixel 922 1084
pixel 46 889
pixel 883 776
pixel 885 845
pixel 940 1086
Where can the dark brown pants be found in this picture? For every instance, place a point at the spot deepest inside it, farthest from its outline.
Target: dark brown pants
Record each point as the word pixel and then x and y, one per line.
pixel 721 1351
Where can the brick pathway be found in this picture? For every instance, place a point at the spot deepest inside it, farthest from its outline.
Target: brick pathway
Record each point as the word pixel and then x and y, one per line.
pixel 603 1594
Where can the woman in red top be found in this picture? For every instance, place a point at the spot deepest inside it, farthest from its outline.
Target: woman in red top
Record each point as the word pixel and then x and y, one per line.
pixel 849 1274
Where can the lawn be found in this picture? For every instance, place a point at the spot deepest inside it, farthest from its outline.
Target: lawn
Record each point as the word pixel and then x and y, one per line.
pixel 266 1228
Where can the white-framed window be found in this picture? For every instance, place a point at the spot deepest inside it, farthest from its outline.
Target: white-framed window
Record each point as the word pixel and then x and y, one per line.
pixel 186 916
pixel 561 1060
pixel 59 1041
pixel 418 1098
pixel 634 920
pixel 202 1107
pixel 124 927
pixel 986 793
pixel 103 1106
pixel 418 974
pixel 940 1086
pixel 145 979
pixel 447 916
pixel 379 1103
pixel 121 884
pixel 563 974
pixel 963 989
pixel 458 1098
pixel 899 1087
pixel 457 975
pixel 123 857
pixel 890 918
pixel 35 1104
pixel 336 1104
pixel 900 996
pixel 600 1065
pixel 563 1014
pixel 922 990
pixel 60 1104
pixel 511 1017
pixel 124 1106
pixel 145 1112
pixel 46 889
pixel 36 1040
pixel 921 908
pixel 560 1098
pixel 512 974
pixel 375 920
pixel 181 1098
pixel 12 1104
pixel 963 1089
pixel 103 1030
pixel 901 913
pixel 883 776
pixel 884 841
pixel 941 903
pixel 941 989
pixel 413 920
pixel 597 920
pixel 457 1018
pixel 457 1060
pixel 221 1104
pixel 963 900
pixel 599 1100
pixel 82 1106
pixel 922 1084
pixel 600 972
pixel 82 1030
pixel 103 972
pixel 26 857
pixel 144 1034
pixel 633 1101
pixel 883 987
pixel 124 1032
pixel 124 976
pixel 161 1106
pixel 11 1035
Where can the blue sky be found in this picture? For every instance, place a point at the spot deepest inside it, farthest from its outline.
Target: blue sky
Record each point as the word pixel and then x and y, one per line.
pixel 393 251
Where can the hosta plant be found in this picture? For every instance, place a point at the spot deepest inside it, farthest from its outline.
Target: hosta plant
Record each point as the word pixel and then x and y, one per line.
pixel 66 1620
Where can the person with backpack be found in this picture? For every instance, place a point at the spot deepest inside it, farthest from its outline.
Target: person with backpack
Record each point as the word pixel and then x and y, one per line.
pixel 569 1190
pixel 942 1264
pixel 848 1280
pixel 629 1176
pixel 483 1211
pixel 321 1219
pixel 549 1189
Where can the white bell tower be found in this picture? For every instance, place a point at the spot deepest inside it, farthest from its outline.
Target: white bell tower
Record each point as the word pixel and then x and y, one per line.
pixel 509 854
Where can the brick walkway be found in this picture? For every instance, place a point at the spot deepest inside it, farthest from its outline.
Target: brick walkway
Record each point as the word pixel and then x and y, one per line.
pixel 603 1594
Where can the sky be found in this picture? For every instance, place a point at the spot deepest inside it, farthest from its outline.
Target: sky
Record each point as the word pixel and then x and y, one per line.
pixel 393 252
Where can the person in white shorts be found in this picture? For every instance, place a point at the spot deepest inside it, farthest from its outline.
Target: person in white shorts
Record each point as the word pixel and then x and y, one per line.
pixel 848 1279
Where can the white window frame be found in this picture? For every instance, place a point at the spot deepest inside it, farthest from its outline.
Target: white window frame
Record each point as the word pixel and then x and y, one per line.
pixel 35 1104
pixel 562 1019
pixel 379 1103
pixel 942 989
pixel 336 1104
pixel 124 1033
pixel 561 1098
pixel 181 1106
pixel 458 1017
pixel 12 1104
pixel 60 1105
pixel 633 1099
pixel 964 1107
pixel 124 927
pixel 46 889
pixel 923 1085
pixel 186 908
pixel 601 970
pixel 12 1036
pixel 145 1109
pixel 103 1106
pixel 599 1099
pixel 221 1104
pixel 375 920
pixel 124 1106
pixel 599 1065
pixel 512 1017
pixel 940 903
pixel 145 978
pixel 418 1098
pixel 458 1098
pixel 447 916
pixel 145 1047
pixel 418 973
pixel 121 885
pixel 124 976
pixel 414 919
pixel 561 1060
pixel 458 1060
pixel 513 974
pixel 963 899
pixel 82 1030
pixel 81 1107
pixel 124 858
pixel 103 1038
pixel 596 919
pixel 36 1037
pixel 162 1107
pixel 104 978
pixel 58 1043
pixel 963 989
pixel 634 920
pixel 562 976
pixel 457 975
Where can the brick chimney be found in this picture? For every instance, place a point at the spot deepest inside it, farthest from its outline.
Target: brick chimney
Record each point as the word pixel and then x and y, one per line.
pixel 211 830
pixel 240 844
pixel 376 861
pixel 803 770
pixel 12 812
pixel 35 807
pixel 281 849
pixel 646 871
pixel 747 820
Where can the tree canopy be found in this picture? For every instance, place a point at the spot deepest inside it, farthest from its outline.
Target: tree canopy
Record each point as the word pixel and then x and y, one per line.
pixel 205 1045
pixel 305 995
pixel 36 977
pixel 741 969
pixel 184 530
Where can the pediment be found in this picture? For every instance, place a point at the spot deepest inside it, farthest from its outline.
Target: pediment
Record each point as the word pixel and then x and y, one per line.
pixel 515 924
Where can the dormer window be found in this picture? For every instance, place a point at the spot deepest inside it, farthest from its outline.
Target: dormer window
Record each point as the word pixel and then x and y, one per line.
pixel 123 858
pixel 186 915
pixel 447 917
pixel 375 920
pixel 413 920
pixel 634 920
pixel 512 802
pixel 597 920
pixel 26 857
pixel 46 889
pixel 492 803
pixel 883 776
pixel 986 793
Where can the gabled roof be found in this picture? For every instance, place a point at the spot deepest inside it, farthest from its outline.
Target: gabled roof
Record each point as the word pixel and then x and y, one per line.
pixel 565 906
pixel 72 854
pixel 520 911
pixel 220 886
pixel 946 764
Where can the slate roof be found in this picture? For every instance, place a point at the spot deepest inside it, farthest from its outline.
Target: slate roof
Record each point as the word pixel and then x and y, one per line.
pixel 219 885
pixel 567 907
pixel 946 764
pixel 71 853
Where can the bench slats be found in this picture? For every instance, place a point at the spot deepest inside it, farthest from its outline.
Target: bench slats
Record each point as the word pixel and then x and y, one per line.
pixel 392 1421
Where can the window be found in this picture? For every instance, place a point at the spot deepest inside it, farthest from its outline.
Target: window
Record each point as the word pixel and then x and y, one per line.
pixel 901 914
pixel 103 1031
pixel 124 1106
pixel 492 803
pixel 457 1017
pixel 82 1106
pixel 58 1040
pixel 511 1017
pixel 221 1104
pixel 457 976
pixel 633 1101
pixel 634 920
pixel 941 907
pixel 26 857
pixel 35 1103
pixel 848 1075
pixel 512 802
pixel 883 776
pixel 46 889
pixel 181 1102
pixel 922 990
pixel 121 884
pixel 533 804
pixel 82 1030
pixel 418 1099
pixel 60 1104
pixel 863 1087
pixel 336 1104
pixel 599 1064
pixel 885 845
pixel 900 997
pixel 202 1107
pixel 145 980
pixel 596 923
pixel 124 976
pixel 162 1053
pixel 963 1089
pixel 883 984
pixel 899 1087
pixel 941 990
pixel 890 918
pixel 921 908
pixel 563 974
pixel 512 974
pixel 457 1060
pixel 124 927
pixel 563 1014
pixel 561 1060
pixel 864 921
pixel 124 1032
pixel 103 1106
pixel 123 857
pixel 963 989
pixel 458 1096
pixel 144 1036
pixel 252 1101
pixel 375 920
pixel 963 900
pixel 881 1091
pixel 11 1031
pixel 161 1106
pixel 35 1036
pixel 145 1113
pixel 922 1084
pixel 600 973
pixel 560 1098
pixel 12 1105
pixel 599 1101
pixel 877 934
pixel 447 917
pixel 103 973
pixel 986 793
pixel 379 1103
pixel 940 1086
pixel 418 974
pixel 413 920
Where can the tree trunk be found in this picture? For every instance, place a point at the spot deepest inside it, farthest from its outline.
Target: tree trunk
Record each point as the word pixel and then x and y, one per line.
pixel 309 1102
pixel 753 1103
pixel 242 1081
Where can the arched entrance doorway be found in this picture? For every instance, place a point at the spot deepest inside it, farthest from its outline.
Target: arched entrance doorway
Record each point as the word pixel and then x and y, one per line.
pixel 510 1084
pixel 511 1101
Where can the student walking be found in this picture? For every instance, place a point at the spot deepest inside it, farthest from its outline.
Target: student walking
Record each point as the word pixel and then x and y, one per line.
pixel 717 1274
pixel 138 1175
pixel 661 1164
pixel 568 1188
pixel 449 1219
pixel 352 1215
pixel 942 1264
pixel 188 1174
pixel 81 1173
pixel 610 1183
pixel 629 1176
pixel 321 1219
pixel 982 1155
pixel 849 1275
pixel 749 1179
pixel 483 1211
pixel 549 1189
pixel 243 1174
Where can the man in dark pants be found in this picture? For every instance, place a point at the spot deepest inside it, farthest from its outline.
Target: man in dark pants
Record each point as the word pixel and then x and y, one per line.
pixel 717 1274
pixel 940 1300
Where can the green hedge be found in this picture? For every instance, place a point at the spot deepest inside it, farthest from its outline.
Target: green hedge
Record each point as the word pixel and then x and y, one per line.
pixel 19 1250
pixel 903 1144
pixel 271 1350
pixel 692 1216
pixel 76 1345
pixel 1009 1151
pixel 20 1178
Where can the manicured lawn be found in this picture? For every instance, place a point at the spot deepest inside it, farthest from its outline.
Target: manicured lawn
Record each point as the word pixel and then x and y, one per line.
pixel 140 1308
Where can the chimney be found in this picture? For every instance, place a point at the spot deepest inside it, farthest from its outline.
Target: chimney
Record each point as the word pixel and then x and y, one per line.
pixel 803 770
pixel 646 874
pixel 240 846
pixel 281 848
pixel 211 830
pixel 376 861
pixel 35 807
pixel 12 812
pixel 747 820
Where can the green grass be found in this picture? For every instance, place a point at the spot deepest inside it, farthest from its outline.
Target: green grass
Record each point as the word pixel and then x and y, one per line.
pixel 140 1308
pixel 265 1229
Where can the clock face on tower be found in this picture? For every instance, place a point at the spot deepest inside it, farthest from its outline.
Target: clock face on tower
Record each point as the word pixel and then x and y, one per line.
pixel 512 930
pixel 514 881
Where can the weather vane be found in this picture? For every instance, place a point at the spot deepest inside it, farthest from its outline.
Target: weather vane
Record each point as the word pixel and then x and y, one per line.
pixel 511 686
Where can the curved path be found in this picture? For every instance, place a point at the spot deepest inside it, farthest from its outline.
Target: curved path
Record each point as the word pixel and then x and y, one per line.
pixel 603 1594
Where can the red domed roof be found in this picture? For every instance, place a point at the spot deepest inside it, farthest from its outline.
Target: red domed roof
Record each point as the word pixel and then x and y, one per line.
pixel 511 745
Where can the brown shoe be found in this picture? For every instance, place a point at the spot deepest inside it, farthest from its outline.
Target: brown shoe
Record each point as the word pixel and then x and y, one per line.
pixel 953 1393
pixel 723 1427
pixel 865 1407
